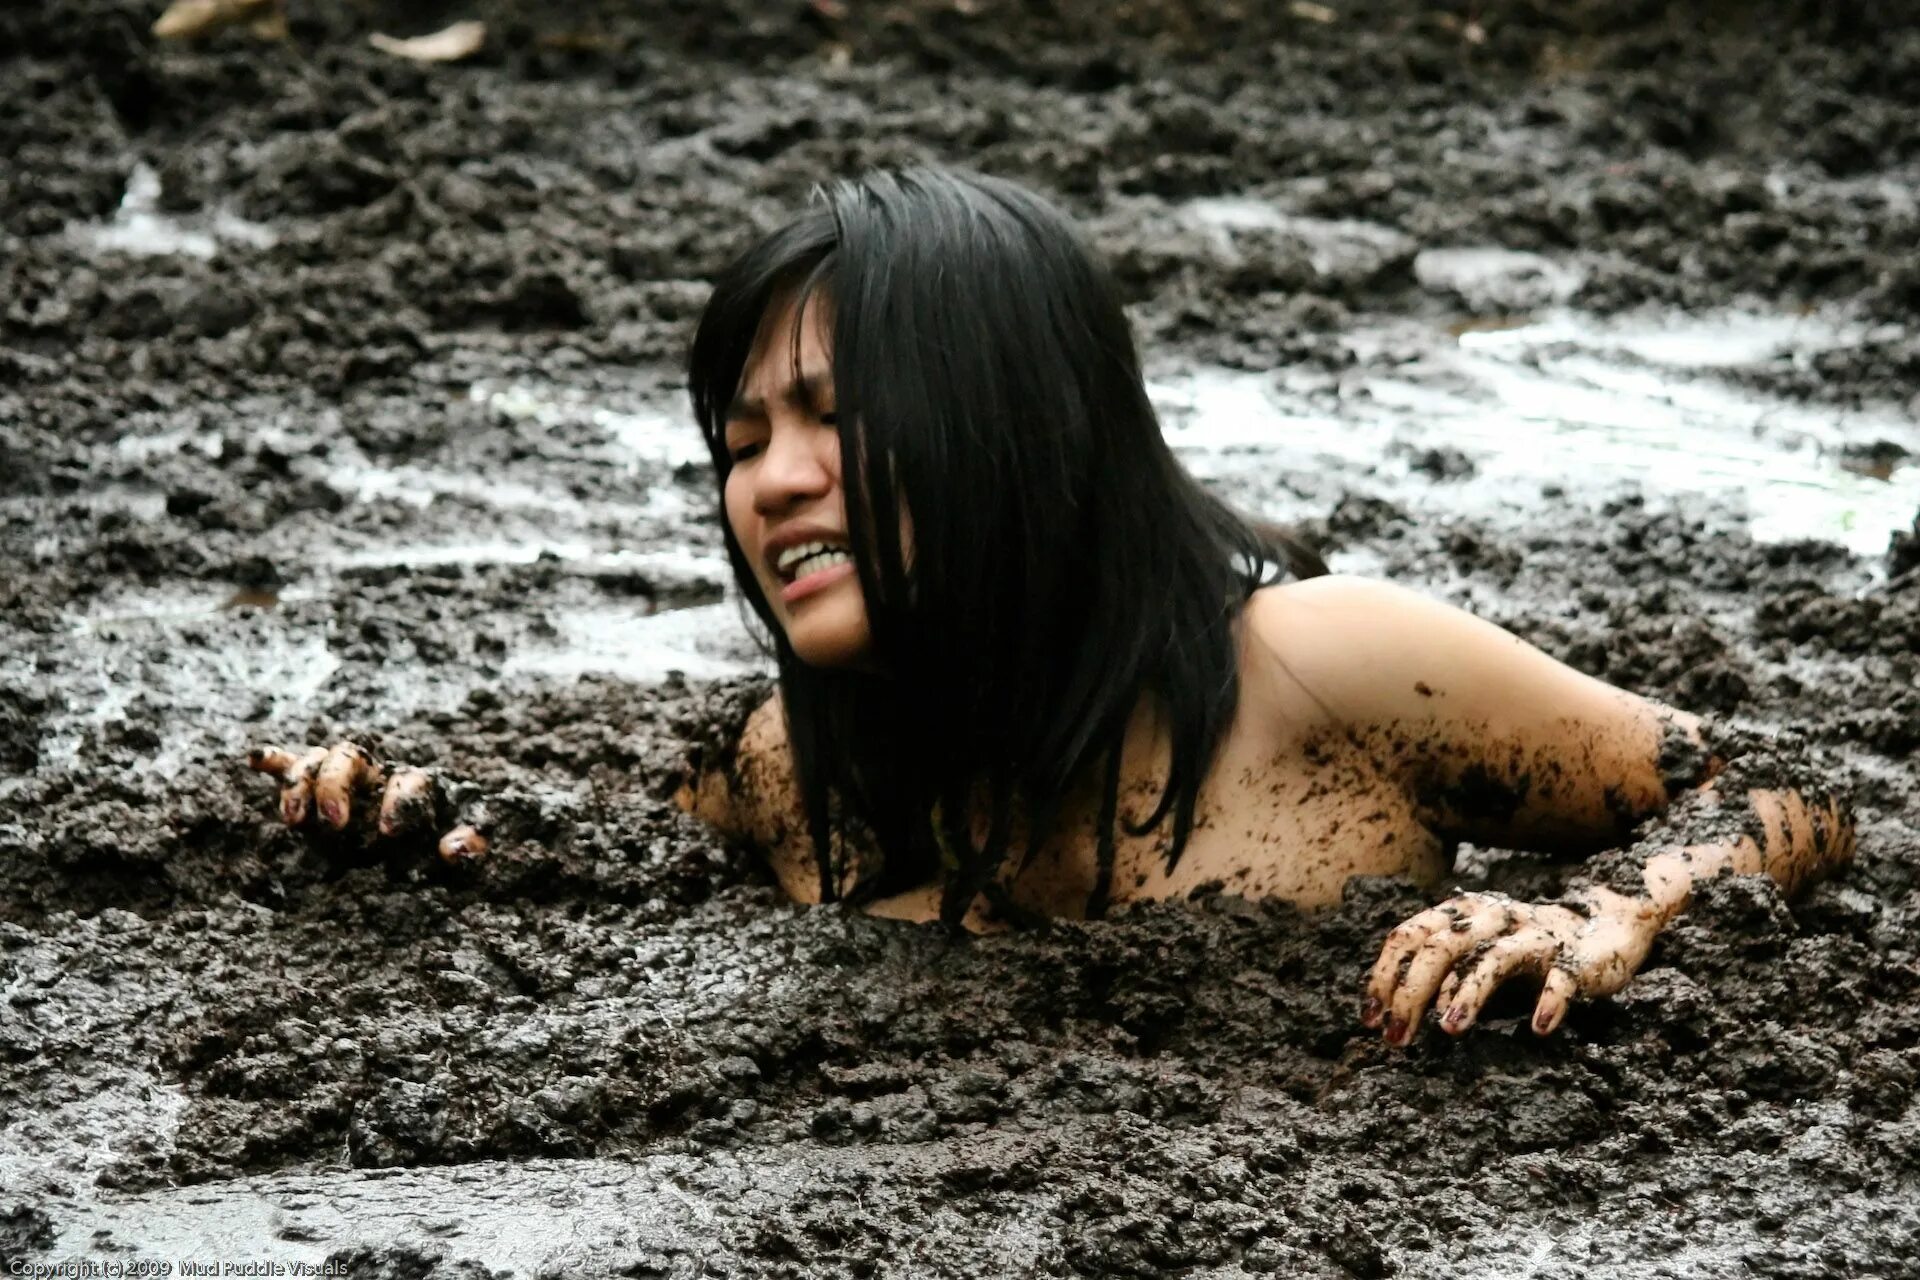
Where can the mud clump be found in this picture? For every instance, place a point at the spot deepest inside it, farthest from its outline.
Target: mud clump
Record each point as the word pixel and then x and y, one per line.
pixel 379 434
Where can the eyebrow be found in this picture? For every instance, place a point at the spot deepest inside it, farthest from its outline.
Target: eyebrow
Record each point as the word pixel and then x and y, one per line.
pixel 809 392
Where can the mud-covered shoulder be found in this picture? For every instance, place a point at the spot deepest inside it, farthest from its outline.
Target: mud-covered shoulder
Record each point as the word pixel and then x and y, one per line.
pixel 711 727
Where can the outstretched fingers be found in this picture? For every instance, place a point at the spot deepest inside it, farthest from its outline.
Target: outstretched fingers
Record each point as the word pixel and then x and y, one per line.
pixel 345 769
pixel 1530 951
pixel 1460 953
pixel 409 803
pixel 325 779
pixel 1477 924
pixel 296 793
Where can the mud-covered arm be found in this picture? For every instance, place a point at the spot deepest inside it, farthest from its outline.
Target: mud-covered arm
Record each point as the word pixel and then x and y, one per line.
pixel 1794 836
pixel 1494 741
pixel 1501 744
pixel 1592 942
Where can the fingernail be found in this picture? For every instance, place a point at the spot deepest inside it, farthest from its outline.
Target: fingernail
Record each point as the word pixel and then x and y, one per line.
pixel 1370 1013
pixel 1454 1019
pixel 330 813
pixel 1396 1030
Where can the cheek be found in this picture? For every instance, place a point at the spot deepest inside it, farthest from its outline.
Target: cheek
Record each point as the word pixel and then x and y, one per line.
pixel 737 502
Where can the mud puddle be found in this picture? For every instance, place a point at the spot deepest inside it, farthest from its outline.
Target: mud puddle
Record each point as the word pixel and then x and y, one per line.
pixel 141 229
pixel 1483 422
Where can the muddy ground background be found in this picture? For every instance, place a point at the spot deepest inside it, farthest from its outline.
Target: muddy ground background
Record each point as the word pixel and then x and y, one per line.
pixel 389 444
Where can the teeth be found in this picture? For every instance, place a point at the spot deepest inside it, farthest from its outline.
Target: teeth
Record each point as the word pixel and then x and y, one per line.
pixel 793 555
pixel 818 561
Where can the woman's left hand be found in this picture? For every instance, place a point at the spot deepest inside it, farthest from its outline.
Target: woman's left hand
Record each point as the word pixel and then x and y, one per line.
pixel 1588 946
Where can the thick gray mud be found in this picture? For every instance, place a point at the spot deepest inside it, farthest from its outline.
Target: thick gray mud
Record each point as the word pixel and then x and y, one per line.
pixel 339 397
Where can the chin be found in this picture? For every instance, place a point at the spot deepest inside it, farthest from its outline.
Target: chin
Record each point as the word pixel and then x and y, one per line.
pixel 831 632
pixel 849 651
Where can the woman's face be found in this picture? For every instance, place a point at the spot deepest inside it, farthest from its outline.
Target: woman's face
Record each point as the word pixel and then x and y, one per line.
pixel 784 498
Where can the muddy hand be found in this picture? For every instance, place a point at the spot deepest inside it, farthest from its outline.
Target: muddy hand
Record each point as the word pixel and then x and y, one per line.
pixel 322 781
pixel 411 801
pixel 1457 954
pixel 326 781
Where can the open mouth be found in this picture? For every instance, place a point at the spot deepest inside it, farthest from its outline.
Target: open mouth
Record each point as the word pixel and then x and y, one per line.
pixel 809 558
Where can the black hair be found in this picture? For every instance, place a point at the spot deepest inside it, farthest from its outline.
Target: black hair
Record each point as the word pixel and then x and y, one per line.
pixel 1063 563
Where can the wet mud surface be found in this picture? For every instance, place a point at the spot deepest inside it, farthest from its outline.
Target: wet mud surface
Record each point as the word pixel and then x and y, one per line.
pixel 340 397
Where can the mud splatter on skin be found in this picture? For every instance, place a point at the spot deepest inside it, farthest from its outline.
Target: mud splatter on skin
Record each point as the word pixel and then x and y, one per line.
pixel 1180 1089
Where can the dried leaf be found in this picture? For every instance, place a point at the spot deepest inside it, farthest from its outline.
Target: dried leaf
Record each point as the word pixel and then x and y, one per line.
pixel 185 19
pixel 461 40
pixel 1307 11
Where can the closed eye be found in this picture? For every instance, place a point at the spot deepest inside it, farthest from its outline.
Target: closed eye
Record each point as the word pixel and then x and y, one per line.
pixel 750 449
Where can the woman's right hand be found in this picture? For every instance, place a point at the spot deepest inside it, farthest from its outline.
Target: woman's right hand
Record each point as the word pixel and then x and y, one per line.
pixel 319 786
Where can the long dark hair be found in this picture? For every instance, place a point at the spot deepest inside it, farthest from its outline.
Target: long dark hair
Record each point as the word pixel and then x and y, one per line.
pixel 1063 563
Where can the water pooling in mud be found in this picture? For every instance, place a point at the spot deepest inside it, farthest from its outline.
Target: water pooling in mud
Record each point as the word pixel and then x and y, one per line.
pixel 138 227
pixel 1573 403
pixel 1488 424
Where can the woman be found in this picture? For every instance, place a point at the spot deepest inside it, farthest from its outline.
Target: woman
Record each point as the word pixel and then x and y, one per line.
pixel 1028 667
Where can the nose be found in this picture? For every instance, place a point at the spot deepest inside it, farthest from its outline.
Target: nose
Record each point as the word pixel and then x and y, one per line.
pixel 794 470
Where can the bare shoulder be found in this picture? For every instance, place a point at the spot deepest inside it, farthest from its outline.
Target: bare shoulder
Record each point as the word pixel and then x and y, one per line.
pixel 1374 651
pixel 754 797
pixel 1352 648
pixel 753 781
pixel 1321 620
pixel 1456 701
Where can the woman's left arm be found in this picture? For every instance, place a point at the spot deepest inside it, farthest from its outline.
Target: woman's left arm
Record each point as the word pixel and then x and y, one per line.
pixel 1503 745
pixel 1591 942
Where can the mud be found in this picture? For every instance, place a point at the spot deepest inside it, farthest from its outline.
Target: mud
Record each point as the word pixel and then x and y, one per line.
pixel 338 397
